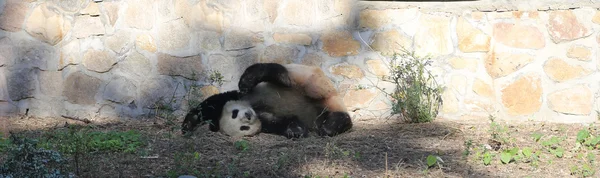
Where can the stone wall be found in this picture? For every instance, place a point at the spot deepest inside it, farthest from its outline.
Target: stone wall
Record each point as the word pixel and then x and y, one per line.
pixel 516 60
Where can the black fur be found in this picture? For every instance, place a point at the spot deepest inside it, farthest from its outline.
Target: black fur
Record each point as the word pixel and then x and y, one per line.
pixel 234 113
pixel 209 110
pixel 329 124
pixel 263 72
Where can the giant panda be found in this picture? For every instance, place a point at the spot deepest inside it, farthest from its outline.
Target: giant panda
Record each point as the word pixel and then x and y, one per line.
pixel 290 100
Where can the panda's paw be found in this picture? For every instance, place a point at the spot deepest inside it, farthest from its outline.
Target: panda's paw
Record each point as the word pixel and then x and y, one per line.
pixel 335 123
pixel 295 130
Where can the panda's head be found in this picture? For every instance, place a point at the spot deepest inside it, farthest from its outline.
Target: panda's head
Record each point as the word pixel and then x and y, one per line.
pixel 239 119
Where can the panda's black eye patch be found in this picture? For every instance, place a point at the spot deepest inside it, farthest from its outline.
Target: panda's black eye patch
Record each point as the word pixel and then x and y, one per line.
pixel 245 127
pixel 234 113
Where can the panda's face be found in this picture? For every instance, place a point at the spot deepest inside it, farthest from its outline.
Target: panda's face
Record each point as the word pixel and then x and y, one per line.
pixel 242 114
pixel 239 119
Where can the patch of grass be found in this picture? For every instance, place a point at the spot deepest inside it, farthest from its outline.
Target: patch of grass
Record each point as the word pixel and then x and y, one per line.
pixel 85 141
pixel 4 143
pixel 184 164
pixel 417 96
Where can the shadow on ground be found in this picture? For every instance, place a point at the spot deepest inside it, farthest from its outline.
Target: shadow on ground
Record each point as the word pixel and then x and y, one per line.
pixel 373 148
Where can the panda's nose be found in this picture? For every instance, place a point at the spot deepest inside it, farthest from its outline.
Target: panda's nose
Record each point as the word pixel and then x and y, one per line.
pixel 248 115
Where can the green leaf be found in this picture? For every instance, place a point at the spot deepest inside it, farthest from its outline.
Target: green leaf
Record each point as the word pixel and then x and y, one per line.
pixel 582 135
pixel 527 152
pixel 536 136
pixel 558 152
pixel 431 160
pixel 487 158
pixel 505 157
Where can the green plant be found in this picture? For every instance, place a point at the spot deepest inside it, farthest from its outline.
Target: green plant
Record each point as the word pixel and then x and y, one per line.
pixel 536 136
pixel 431 160
pixel 468 145
pixel 184 164
pixel 194 96
pixel 25 159
pixel 4 143
pixel 499 132
pixel 242 145
pixel 216 78
pixel 417 96
pixel 487 158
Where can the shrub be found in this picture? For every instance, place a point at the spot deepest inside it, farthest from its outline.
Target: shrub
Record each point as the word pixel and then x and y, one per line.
pixel 25 159
pixel 417 96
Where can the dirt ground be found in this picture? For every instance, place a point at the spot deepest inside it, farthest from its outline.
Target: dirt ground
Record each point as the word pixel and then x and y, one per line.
pixel 373 148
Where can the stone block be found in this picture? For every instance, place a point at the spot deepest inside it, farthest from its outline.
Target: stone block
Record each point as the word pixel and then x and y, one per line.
pixel 120 42
pixel 390 42
pixel 519 35
pixel 140 14
pixel 523 95
pixel 135 65
pixel 174 35
pixel 51 83
pixel 13 16
pixel 564 26
pixel 112 11
pixel 502 64
pixel 461 63
pixel 359 98
pixel 471 39
pixel 559 70
pixel 481 88
pixel 86 26
pixel 378 67
pixel 69 54
pixel 189 67
pixel 339 44
pixel 21 83
pixel 119 90
pixel 146 42
pixel 240 40
pixel 347 70
pixel 312 59
pixel 81 89
pixel 577 100
pixel 580 52
pixel 279 54
pixel 98 61
pixel 292 38
pixel 375 19
pixel 433 36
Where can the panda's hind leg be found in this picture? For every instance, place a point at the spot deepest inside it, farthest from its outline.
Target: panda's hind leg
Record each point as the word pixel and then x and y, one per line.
pixel 288 126
pixel 263 72
pixel 334 123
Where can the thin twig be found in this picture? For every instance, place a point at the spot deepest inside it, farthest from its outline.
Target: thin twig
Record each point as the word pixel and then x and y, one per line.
pixel 87 121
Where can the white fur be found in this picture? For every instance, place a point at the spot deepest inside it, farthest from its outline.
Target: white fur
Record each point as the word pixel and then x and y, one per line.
pixel 231 126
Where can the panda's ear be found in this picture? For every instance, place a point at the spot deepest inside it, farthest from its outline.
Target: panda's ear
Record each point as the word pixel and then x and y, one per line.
pixel 234 113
